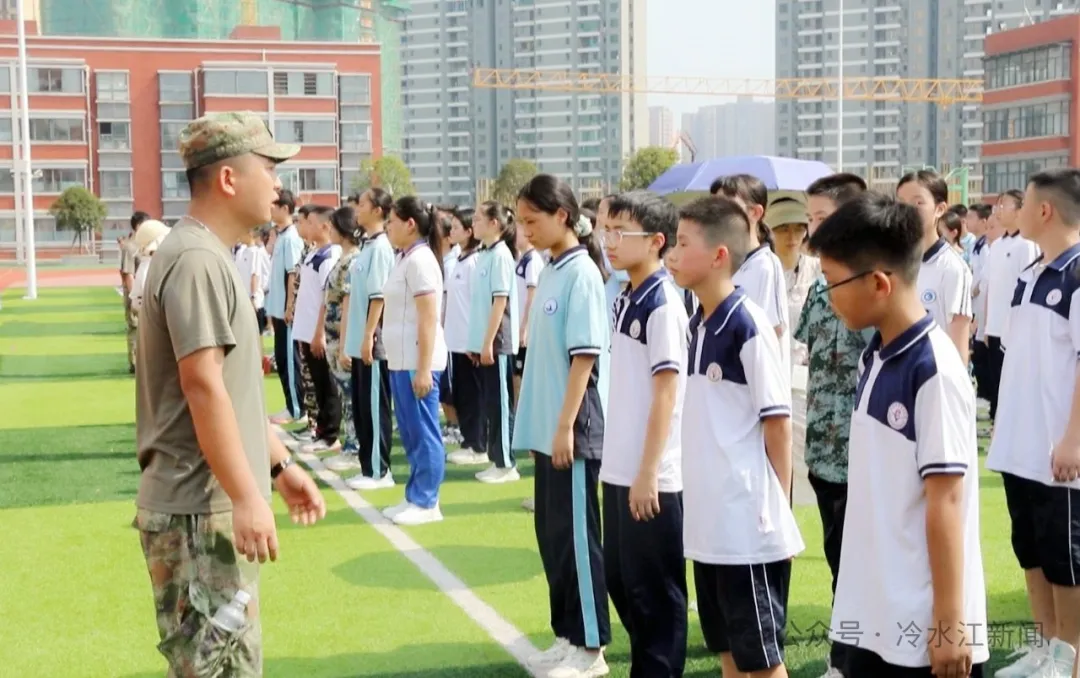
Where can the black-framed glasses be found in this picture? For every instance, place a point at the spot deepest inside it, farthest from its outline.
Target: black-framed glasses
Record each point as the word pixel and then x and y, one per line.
pixel 857 276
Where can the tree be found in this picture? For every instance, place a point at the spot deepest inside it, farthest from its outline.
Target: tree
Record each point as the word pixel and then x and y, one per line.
pixel 646 165
pixel 79 210
pixel 512 177
pixel 388 173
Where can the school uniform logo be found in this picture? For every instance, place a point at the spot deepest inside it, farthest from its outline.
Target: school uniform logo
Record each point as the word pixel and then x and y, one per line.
pixel 897 416
pixel 714 373
pixel 635 329
pixel 483 273
pixel 1053 297
pixel 929 296
pixel 550 306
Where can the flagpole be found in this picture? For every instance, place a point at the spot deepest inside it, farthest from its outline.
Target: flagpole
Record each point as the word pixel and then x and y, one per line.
pixel 27 170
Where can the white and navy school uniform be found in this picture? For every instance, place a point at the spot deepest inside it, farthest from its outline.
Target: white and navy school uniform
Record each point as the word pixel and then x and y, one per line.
pixel 944 284
pixel 979 355
pixel 738 527
pixel 569 318
pixel 761 277
pixel 643 561
pixel 449 263
pixel 527 273
pixel 416 273
pixel 314 275
pixel 494 278
pixel 914 417
pixel 371 383
pixel 1037 389
pixel 464 383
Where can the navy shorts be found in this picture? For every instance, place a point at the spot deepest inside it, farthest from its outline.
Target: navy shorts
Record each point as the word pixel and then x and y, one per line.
pixel 446 393
pixel 519 361
pixel 1045 528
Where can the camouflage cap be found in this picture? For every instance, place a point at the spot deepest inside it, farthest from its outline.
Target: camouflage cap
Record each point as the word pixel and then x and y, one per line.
pixel 217 136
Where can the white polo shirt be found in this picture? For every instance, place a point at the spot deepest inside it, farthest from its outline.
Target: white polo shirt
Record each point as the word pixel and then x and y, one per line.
pixel 458 302
pixel 980 253
pixel 649 337
pixel 736 511
pixel 415 274
pixel 309 298
pixel 1039 374
pixel 528 277
pixel 252 260
pixel 1009 255
pixel 914 417
pixel 762 278
pixel 944 284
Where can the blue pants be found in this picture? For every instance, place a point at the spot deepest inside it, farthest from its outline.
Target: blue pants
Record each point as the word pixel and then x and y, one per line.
pixel 418 425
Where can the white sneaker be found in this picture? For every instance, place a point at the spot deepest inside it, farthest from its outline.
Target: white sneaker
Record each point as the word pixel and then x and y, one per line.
pixel 282 417
pixel 1057 662
pixel 497 476
pixel 552 656
pixel 467 457
pixel 343 462
pixel 1025 660
pixel 414 515
pixel 302 421
pixel 529 504
pixel 831 671
pixel 580 663
pixel 322 447
pixel 362 482
pixel 396 509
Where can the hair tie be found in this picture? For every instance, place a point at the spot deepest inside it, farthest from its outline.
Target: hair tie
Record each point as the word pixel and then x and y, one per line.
pixel 583 229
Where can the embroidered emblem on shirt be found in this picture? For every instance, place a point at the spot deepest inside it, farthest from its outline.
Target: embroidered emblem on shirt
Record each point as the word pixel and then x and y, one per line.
pixel 897 416
pixel 550 306
pixel 714 373
pixel 929 297
pixel 1053 297
pixel 635 329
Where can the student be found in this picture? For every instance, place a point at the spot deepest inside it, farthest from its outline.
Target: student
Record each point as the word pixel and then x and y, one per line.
pixel 833 353
pixel 761 275
pixel 1036 443
pixel 529 264
pixel 304 227
pixel 561 421
pixel 253 263
pixel 416 353
pixel 738 527
pixel 690 302
pixel 309 329
pixel 980 354
pixel 146 241
pixel 287 255
pixel 614 281
pixel 1009 256
pixel 493 335
pixel 363 341
pixel 447 216
pixel 944 278
pixel 128 265
pixel 788 218
pixel 911 538
pixel 465 383
pixel 641 470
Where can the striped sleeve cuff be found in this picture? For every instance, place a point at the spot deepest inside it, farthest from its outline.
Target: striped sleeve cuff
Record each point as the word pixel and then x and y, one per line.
pixel 375 295
pixel 423 293
pixel 666 366
pixel 775 411
pixel 958 468
pixel 500 293
pixel 584 350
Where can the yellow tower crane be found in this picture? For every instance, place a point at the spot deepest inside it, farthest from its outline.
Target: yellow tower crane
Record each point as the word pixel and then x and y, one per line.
pixel 944 92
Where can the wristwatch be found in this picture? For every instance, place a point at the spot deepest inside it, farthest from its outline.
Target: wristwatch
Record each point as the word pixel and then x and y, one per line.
pixel 277 468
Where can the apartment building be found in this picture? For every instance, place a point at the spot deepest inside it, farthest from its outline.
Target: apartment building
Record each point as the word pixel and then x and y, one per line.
pixel 661 126
pixel 455 135
pixel 742 127
pixel 106 113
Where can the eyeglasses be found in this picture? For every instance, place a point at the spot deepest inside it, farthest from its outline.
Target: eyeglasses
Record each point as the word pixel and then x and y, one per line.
pixel 853 278
pixel 615 238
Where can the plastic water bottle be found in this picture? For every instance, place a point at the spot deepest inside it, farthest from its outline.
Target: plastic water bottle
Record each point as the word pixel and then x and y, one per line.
pixel 232 616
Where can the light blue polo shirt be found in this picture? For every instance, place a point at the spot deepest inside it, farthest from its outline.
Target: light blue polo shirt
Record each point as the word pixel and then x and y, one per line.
pixel 287 251
pixel 568 318
pixel 368 274
pixel 493 277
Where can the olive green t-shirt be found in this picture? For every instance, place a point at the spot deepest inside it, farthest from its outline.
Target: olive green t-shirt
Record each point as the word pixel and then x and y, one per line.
pixel 194 299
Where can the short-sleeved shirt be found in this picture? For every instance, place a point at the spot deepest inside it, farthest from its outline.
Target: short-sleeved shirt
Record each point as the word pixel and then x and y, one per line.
pixel 833 364
pixel 649 338
pixel 944 284
pixel 736 511
pixel 314 276
pixel 252 261
pixel 494 277
pixel 369 272
pixel 568 318
pixel 459 301
pixel 527 273
pixel 914 417
pixel 193 300
pixel 288 249
pixel 338 286
pixel 761 278
pixel 1037 377
pixel 1009 256
pixel 128 256
pixel 415 274
pixel 979 255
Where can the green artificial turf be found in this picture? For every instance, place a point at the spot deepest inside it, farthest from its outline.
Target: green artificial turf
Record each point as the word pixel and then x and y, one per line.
pixel 341 601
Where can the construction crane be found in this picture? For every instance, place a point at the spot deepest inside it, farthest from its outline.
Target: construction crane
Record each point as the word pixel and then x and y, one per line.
pixel 682 138
pixel 939 91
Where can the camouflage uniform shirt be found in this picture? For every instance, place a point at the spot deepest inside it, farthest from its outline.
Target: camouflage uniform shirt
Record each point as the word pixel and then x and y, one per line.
pixel 834 353
pixel 337 288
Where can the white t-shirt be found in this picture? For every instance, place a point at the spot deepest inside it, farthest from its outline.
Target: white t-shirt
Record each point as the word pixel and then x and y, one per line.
pixel 135 295
pixel 979 256
pixel 458 301
pixel 415 274
pixel 528 276
pixel 253 260
pixel 1009 255
pixel 314 273
pixel 736 511
pixel 944 284
pixel 649 337
pixel 914 417
pixel 761 277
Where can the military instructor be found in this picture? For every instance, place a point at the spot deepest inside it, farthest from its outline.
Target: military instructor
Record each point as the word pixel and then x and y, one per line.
pixel 205 447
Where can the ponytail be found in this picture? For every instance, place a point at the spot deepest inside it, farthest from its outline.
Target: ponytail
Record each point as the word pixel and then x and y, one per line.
pixel 593 244
pixel 765 235
pixel 428 223
pixel 504 217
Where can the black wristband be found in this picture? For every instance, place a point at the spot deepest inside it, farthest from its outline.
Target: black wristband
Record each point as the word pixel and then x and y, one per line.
pixel 277 468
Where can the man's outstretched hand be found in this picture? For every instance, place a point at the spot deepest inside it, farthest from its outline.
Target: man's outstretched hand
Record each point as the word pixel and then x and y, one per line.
pixel 302 495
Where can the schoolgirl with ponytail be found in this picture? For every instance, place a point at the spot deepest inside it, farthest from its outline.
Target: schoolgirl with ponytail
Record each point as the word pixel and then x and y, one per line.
pixel 416 353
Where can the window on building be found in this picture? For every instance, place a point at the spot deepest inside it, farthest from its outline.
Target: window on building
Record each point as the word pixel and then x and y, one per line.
pixel 64 130
pixel 1026 122
pixel 53 180
pixel 175 87
pixel 114 135
pixel 107 111
pixel 174 186
pixel 170 135
pixel 296 84
pixel 5 133
pixel 350 181
pixel 7 181
pixel 56 80
pixel 355 89
pixel 115 184
pixel 241 83
pixel 320 180
pixel 185 112
pixel 5 79
pixel 112 85
pixel 304 131
pixel 359 113
pixel 357 136
pixel 999 177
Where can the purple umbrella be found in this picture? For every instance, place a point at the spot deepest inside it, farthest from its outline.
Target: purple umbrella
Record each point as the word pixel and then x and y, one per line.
pixel 784 174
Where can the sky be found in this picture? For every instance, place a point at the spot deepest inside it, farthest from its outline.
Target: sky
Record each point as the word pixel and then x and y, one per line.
pixel 708 38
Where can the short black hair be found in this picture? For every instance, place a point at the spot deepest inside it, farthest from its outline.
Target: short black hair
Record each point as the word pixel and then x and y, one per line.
pixel 285 198
pixel 873 231
pixel 959 210
pixel 931 181
pixel 722 222
pixel 323 212
pixel 137 218
pixel 592 204
pixel 304 210
pixel 1061 188
pixel 840 188
pixel 1016 194
pixel 982 210
pixel 648 210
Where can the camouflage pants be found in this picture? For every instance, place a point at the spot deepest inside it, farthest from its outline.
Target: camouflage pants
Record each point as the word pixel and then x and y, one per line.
pixel 132 320
pixel 195 569
pixel 343 377
pixel 311 405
